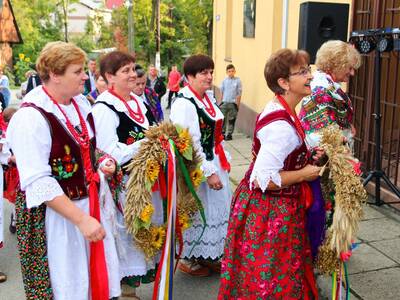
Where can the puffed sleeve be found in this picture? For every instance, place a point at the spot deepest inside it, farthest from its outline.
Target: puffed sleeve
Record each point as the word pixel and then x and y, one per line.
pixel 28 135
pixel 106 123
pixel 5 153
pixel 278 139
pixel 184 113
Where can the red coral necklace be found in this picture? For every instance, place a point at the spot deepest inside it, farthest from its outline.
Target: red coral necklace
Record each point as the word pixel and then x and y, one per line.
pixel 207 103
pixel 137 116
pixel 81 137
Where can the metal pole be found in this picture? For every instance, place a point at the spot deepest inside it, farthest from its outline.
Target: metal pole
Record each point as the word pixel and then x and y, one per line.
pixel 158 38
pixel 131 37
pixel 285 20
pixel 65 21
pixel 377 116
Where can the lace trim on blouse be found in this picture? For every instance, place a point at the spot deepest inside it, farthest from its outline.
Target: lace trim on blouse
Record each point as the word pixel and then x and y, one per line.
pixel 41 190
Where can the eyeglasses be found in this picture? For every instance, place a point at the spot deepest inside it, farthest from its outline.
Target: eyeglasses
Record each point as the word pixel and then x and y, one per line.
pixel 303 72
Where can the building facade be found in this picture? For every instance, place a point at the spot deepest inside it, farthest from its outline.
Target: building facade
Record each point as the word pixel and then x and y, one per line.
pixel 246 33
pixel 80 12
pixel 9 33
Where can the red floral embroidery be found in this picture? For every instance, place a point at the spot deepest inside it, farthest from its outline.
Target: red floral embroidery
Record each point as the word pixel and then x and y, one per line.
pixel 130 140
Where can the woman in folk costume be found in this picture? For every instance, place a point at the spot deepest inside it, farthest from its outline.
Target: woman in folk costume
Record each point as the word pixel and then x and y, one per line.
pixel 267 254
pixel 10 172
pixel 195 108
pixel 328 104
pixel 336 62
pixel 4 157
pixel 121 119
pixel 147 95
pixel 66 247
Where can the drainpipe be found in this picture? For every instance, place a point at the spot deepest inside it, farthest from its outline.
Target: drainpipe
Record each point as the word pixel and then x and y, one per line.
pixel 285 21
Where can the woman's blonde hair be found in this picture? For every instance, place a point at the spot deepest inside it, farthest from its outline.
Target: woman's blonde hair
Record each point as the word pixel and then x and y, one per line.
pixel 55 57
pixel 334 56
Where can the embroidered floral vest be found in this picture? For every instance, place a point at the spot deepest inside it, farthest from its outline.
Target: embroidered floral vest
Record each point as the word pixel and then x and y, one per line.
pixel 296 160
pixel 65 157
pixel 209 129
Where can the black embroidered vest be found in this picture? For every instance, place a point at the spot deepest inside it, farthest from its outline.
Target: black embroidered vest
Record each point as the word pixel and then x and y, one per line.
pixel 207 129
pixel 129 131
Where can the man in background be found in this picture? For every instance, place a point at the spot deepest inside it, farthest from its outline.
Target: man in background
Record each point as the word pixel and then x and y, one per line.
pixel 231 89
pixel 155 82
pixel 90 83
pixel 174 79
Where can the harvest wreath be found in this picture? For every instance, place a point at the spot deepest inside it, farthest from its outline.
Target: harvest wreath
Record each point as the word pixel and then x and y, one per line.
pixel 345 195
pixel 150 171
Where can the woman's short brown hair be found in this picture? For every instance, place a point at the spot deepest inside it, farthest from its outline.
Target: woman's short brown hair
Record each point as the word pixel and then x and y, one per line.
pixel 334 56
pixel 113 61
pixel 279 64
pixel 55 57
pixel 196 64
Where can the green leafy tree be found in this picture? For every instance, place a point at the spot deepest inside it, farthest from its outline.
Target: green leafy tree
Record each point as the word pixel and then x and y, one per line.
pixel 39 23
pixel 183 31
pixel 186 28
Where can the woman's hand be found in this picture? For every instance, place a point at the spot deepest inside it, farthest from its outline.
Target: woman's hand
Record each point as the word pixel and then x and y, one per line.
pixel 11 159
pixel 310 172
pixel 318 153
pixel 214 182
pixel 91 229
pixel 108 168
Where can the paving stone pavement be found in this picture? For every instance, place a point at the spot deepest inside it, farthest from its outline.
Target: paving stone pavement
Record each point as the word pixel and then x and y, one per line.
pixel 374 268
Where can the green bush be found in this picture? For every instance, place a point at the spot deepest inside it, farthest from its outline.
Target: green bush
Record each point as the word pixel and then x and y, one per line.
pixel 22 66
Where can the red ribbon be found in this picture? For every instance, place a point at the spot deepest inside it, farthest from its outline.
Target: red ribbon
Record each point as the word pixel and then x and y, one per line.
pixel 98 268
pixel 219 150
pixel 306 194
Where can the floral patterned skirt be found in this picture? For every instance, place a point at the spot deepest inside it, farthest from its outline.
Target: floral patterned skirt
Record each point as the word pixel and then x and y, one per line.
pixel 266 254
pixel 32 248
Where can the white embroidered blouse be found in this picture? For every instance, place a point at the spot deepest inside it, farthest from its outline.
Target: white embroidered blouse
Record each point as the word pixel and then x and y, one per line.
pixel 278 139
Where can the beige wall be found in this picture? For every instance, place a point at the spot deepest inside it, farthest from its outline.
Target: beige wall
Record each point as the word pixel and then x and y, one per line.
pixel 250 54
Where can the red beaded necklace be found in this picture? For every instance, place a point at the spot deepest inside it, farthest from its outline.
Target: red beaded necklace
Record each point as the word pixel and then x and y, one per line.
pixel 297 123
pixel 81 137
pixel 207 103
pixel 137 116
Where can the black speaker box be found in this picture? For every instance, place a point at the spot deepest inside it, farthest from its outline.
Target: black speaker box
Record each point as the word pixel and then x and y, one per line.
pixel 321 22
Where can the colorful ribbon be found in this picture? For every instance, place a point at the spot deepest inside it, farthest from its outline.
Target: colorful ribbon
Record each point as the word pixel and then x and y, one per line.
pixel 163 284
pixel 340 280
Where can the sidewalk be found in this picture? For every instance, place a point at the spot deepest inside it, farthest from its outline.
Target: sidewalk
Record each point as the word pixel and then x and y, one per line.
pixel 374 268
